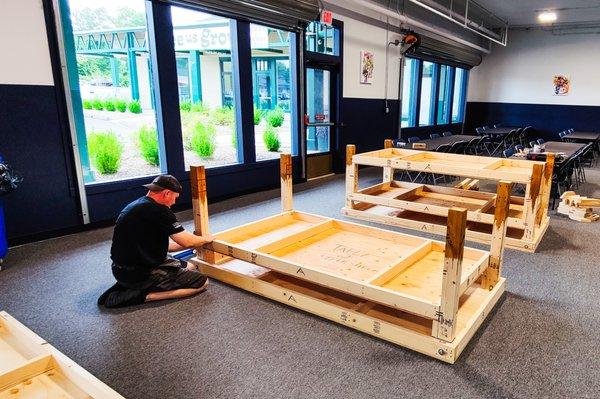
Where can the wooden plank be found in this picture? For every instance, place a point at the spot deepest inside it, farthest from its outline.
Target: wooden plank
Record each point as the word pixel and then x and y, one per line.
pixel 351 175
pixel 477 215
pixel 444 327
pixel 347 316
pixel 330 280
pixel 285 165
pixel 377 321
pixel 25 371
pixel 474 318
pixel 492 274
pixel 401 264
pixel 48 374
pixel 532 200
pixel 547 187
pixel 388 172
pixel 200 207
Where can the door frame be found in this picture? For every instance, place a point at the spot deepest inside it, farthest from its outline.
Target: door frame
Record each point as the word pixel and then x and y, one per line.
pixel 334 64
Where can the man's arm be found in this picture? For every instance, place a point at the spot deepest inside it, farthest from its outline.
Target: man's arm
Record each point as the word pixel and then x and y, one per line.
pixel 185 240
pixel 173 246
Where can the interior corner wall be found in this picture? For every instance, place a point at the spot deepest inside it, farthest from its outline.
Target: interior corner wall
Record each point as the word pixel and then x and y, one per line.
pixel 32 137
pixel 513 85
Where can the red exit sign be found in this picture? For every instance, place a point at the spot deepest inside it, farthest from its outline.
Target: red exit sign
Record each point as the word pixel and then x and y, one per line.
pixel 326 17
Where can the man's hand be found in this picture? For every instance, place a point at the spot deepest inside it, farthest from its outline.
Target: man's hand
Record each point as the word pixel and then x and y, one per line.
pixel 188 240
pixel 208 238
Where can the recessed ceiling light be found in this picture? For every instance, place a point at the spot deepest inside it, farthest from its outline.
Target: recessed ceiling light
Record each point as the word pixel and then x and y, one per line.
pixel 547 16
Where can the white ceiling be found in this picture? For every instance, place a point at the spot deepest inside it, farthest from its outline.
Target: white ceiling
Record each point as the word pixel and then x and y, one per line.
pixel 524 12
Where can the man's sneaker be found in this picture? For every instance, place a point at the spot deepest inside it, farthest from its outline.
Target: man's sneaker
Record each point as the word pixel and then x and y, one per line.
pixel 118 299
pixel 116 287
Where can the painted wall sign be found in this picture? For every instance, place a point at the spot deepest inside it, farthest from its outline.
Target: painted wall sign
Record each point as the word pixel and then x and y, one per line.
pixel 216 38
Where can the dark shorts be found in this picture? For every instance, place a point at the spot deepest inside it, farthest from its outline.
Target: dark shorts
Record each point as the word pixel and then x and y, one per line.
pixel 173 274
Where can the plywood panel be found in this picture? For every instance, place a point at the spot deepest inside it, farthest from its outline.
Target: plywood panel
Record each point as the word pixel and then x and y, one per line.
pixel 50 385
pixel 345 253
pixel 423 278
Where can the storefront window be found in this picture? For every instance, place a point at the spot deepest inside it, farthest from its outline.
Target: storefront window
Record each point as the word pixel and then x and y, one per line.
pixel 271 91
pixel 206 87
pixel 427 91
pixel 111 84
pixel 443 110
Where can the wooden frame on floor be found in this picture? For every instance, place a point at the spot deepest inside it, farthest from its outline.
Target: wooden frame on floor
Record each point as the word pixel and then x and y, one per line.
pixel 426 295
pixel 425 207
pixel 32 368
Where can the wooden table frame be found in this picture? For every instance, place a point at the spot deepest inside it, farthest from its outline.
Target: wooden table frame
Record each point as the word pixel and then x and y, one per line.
pixel 295 258
pixel 403 204
pixel 30 367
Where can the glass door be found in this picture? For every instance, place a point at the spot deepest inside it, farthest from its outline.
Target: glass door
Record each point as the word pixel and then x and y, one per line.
pixel 318 100
pixel 319 120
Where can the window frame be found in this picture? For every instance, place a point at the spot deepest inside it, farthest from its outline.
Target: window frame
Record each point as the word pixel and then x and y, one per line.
pixel 415 100
pixel 164 70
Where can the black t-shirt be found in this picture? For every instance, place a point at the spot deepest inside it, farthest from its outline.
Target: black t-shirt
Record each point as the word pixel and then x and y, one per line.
pixel 141 238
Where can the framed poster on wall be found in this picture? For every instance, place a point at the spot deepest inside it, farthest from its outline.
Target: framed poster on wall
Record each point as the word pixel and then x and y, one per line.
pixel 562 85
pixel 366 67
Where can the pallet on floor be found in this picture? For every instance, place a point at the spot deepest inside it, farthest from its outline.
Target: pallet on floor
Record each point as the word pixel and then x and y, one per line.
pixel 426 295
pixel 32 368
pixel 424 207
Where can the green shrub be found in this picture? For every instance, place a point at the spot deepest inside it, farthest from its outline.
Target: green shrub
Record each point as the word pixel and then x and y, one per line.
pixel 271 139
pixel 275 117
pixel 223 116
pixel 200 108
pixel 148 143
pixel 134 107
pixel 234 138
pixel 97 104
pixel 105 151
pixel 185 106
pixel 204 139
pixel 121 105
pixel 87 104
pixel 258 115
pixel 109 105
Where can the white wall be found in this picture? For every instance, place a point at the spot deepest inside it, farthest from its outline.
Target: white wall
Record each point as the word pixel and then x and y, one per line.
pixel 522 72
pixel 360 36
pixel 24 44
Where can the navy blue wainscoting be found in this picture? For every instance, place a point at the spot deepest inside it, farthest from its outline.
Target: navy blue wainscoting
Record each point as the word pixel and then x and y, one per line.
pixel 546 119
pixel 366 125
pixel 105 201
pixel 33 141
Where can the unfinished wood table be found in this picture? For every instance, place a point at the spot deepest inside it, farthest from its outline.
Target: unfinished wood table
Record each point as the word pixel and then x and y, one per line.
pixel 426 295
pixel 32 368
pixel 425 207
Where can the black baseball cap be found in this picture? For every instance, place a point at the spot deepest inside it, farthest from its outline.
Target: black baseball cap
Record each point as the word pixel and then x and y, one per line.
pixel 164 182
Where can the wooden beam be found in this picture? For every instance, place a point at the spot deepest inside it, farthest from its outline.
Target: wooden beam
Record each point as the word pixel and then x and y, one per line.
pixel 492 274
pixel 445 326
pixel 200 207
pixel 532 200
pixel 351 175
pixel 388 172
pixel 547 188
pixel 285 163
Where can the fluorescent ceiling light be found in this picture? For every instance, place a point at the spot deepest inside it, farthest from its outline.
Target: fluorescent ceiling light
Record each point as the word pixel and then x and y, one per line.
pixel 547 16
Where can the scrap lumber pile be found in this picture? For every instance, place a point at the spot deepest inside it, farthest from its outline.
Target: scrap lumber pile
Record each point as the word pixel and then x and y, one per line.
pixel 578 208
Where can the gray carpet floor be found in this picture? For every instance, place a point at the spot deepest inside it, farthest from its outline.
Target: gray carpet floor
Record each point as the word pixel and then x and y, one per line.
pixel 540 342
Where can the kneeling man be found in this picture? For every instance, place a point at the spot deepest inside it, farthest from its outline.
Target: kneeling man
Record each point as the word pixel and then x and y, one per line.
pixel 145 231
